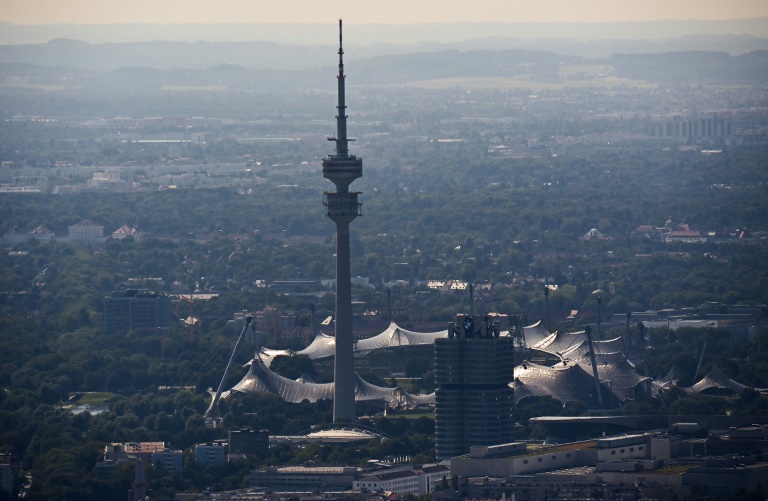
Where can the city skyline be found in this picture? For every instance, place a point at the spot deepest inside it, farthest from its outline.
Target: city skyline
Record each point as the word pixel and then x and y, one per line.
pixel 395 12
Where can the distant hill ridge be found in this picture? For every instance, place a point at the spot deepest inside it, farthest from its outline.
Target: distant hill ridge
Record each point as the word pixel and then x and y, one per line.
pixel 377 34
pixel 157 65
pixel 395 59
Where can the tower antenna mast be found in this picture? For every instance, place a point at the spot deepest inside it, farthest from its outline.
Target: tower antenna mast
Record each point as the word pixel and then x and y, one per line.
pixel 341 139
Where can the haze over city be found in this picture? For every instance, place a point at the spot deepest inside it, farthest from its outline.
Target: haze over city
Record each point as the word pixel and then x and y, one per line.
pixel 356 12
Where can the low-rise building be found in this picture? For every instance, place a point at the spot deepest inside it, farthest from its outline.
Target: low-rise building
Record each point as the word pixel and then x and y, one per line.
pixel 104 469
pixel 41 233
pixel 210 454
pixel 431 477
pixel 86 232
pixel 126 231
pixel 402 482
pixel 659 465
pixel 132 450
pixel 302 478
pixel 157 453
pixel 689 236
pixel 9 468
pixel 168 460
pixel 518 459
pixel 135 310
pixel 248 441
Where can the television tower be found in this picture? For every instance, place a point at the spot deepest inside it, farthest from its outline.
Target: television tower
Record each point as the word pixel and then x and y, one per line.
pixel 342 207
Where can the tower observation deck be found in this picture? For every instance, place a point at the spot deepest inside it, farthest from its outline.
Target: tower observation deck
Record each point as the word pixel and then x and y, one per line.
pixel 342 207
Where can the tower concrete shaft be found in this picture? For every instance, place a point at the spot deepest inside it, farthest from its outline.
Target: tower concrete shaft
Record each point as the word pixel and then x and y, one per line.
pixel 343 370
pixel 342 208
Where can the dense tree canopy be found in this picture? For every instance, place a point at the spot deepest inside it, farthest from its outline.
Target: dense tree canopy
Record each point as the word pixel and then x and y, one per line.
pixel 509 223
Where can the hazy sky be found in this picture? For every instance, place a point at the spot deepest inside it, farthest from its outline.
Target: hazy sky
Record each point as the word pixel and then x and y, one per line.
pixel 370 11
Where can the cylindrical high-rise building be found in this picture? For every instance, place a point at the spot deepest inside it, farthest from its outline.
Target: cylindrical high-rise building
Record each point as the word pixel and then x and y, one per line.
pixel 473 399
pixel 342 206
